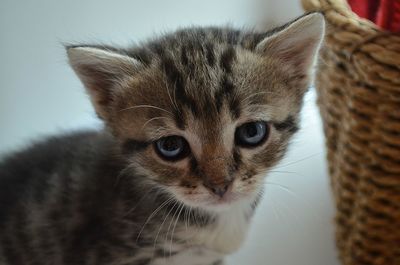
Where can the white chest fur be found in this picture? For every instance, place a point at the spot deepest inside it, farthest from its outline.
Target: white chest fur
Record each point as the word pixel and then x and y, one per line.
pixel 211 243
pixel 229 231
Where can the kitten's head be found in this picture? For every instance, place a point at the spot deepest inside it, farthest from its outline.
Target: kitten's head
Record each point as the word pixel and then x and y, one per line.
pixel 203 113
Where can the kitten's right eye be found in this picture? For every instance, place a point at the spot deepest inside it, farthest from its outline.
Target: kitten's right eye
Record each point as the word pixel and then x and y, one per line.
pixel 251 134
pixel 172 147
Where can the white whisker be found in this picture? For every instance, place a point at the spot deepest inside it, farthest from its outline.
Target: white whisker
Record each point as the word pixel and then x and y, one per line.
pixel 152 119
pixel 186 218
pixel 170 223
pixel 161 226
pixel 173 230
pixel 278 216
pixel 119 176
pixel 256 94
pixel 151 216
pixel 293 194
pixel 146 106
pixel 137 204
pixel 298 161
pixel 173 102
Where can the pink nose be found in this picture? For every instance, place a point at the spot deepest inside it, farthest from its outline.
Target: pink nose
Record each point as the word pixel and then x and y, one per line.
pixel 218 190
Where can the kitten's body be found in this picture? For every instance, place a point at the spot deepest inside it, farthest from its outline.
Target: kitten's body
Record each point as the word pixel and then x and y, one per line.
pixel 64 201
pixel 121 195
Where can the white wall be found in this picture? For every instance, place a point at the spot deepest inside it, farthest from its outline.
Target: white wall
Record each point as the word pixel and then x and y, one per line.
pixel 39 95
pixel 274 12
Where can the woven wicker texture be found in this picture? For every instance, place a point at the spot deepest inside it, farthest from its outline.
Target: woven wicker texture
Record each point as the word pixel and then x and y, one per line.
pixel 358 84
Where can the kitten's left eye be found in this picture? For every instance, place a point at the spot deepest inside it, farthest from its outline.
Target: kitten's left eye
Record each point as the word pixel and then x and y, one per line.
pixel 251 134
pixel 172 147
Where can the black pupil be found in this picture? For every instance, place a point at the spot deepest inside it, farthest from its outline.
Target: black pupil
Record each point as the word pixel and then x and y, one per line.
pixel 171 144
pixel 251 130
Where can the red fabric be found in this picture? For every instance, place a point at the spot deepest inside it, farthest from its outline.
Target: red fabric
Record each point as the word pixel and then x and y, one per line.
pixel 365 8
pixel 359 7
pixel 385 13
pixel 373 6
pixel 388 16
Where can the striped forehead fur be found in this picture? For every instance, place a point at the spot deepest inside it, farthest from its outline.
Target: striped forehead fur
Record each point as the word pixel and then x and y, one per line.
pixel 195 58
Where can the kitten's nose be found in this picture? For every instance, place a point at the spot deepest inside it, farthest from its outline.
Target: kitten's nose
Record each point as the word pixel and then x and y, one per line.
pixel 219 190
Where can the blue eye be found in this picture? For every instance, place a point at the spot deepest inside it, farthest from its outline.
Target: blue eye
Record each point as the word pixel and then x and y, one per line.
pixel 172 147
pixel 251 134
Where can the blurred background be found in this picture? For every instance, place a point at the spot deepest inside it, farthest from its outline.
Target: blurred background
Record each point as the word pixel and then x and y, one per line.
pixel 40 95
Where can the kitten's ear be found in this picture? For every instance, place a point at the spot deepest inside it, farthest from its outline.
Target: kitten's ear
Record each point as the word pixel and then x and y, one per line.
pixel 101 70
pixel 298 43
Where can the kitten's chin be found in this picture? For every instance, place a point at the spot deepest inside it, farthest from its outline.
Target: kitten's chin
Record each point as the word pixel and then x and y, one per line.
pixel 217 204
pixel 223 204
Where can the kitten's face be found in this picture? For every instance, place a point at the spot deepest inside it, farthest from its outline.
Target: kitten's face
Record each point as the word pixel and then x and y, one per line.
pixel 204 113
pixel 213 143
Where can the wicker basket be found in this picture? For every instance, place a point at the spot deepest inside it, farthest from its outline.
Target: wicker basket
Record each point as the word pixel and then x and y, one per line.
pixel 358 84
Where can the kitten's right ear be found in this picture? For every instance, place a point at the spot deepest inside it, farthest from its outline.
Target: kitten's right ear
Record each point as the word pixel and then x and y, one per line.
pixel 100 70
pixel 297 44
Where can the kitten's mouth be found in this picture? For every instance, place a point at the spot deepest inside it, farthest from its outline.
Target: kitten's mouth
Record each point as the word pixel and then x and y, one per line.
pixel 210 198
pixel 225 200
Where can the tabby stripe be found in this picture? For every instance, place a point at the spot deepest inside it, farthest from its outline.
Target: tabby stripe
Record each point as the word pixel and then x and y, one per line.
pixel 227 58
pixel 179 119
pixel 225 91
pixel 237 158
pixel 184 57
pixel 142 55
pixel 175 77
pixel 226 85
pixel 233 36
pixel 201 35
pixel 234 107
pixel 255 204
pixel 157 48
pixel 219 97
pixel 210 54
pixel 194 166
pixel 132 145
pixel 287 125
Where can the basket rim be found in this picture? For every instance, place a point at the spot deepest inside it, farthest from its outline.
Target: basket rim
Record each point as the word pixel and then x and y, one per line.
pixel 352 35
pixel 342 8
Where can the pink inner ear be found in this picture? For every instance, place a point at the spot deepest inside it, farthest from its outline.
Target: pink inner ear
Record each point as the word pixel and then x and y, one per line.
pixel 100 70
pixel 297 44
pixel 300 55
pixel 297 52
pixel 97 83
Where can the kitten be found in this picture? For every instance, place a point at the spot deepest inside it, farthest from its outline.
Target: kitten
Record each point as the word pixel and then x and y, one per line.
pixel 194 120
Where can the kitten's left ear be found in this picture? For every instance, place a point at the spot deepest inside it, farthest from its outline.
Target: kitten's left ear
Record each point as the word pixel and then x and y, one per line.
pixel 101 70
pixel 297 44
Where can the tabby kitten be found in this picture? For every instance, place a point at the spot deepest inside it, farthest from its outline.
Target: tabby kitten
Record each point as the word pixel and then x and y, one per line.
pixel 194 120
